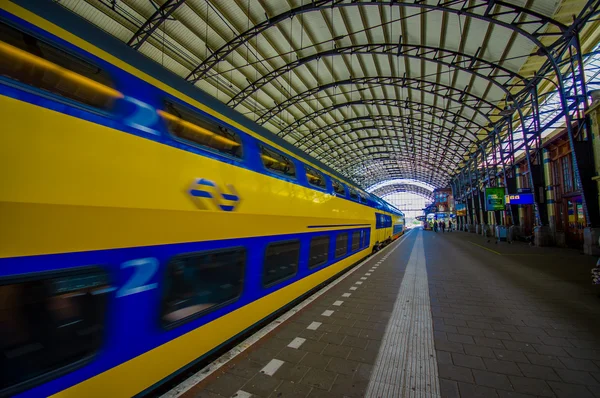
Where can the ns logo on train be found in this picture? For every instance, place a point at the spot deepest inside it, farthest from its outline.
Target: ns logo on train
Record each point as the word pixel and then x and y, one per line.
pixel 204 192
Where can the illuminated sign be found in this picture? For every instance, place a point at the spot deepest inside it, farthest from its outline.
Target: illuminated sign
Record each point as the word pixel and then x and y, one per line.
pixel 494 199
pixel 461 209
pixel 520 199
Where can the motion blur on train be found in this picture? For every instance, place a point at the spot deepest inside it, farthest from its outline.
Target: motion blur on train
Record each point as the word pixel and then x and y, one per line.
pixel 144 225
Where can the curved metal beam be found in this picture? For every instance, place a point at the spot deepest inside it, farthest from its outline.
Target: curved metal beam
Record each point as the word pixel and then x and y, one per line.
pixel 409 120
pixel 464 97
pixel 387 172
pixel 411 105
pixel 394 188
pixel 412 124
pixel 446 58
pixel 330 140
pixel 355 157
pixel 466 8
pixel 152 23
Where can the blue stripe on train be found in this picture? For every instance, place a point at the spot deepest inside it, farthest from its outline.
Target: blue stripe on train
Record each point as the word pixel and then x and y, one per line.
pixel 133 324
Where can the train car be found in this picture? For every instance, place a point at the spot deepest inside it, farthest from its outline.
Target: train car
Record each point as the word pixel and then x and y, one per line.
pixel 144 224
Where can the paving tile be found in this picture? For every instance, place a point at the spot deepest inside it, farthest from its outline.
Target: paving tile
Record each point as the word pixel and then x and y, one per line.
pixel 544 360
pixel 332 338
pixel 467 361
pixel 313 346
pixel 443 357
pixel 291 372
pixel 470 331
pixel 245 368
pixel 460 338
pixel 449 389
pixel 449 346
pixel 577 377
pixel 490 379
pixel 316 361
pixel 518 346
pixel 579 364
pixel 290 355
pixel 338 351
pixel 357 342
pixel 349 387
pixel 515 356
pixel 564 390
pixel 292 390
pixel 263 354
pixel 343 366
pixel 550 350
pixel 487 342
pixel 504 367
pixel 493 334
pixel 261 385
pixel 319 379
pixel 365 356
pixel 538 372
pixel 513 394
pixel 455 373
pixel 226 384
pixel 479 351
pixel 531 386
pixel 475 391
pixel 205 394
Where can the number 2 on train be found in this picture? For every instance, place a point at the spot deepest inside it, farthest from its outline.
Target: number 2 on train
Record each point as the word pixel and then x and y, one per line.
pixel 144 270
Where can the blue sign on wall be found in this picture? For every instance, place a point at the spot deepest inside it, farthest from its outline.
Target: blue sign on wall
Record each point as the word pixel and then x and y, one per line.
pixel 520 199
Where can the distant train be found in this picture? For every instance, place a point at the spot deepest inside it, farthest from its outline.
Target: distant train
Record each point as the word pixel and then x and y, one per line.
pixel 143 224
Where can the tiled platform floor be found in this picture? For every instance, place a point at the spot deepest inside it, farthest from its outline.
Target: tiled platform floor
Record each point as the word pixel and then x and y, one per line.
pixel 508 321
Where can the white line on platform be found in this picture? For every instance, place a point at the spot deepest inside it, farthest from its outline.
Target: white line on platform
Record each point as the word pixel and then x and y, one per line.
pixel 338 303
pixel 314 326
pixel 368 274
pixel 208 370
pixel 353 288
pixel 346 294
pixel 358 283
pixel 296 343
pixel 272 367
pixel 242 394
pixel 408 344
pixel 327 313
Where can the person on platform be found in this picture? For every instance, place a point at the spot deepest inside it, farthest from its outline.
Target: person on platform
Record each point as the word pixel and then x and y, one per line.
pixel 450 226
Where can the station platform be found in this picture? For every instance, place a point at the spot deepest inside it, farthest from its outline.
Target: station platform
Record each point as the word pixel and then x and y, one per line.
pixel 431 315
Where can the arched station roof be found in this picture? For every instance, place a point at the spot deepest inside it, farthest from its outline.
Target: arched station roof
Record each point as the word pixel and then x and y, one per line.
pixel 377 90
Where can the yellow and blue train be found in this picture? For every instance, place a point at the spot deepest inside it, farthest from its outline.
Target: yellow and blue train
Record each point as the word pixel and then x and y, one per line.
pixel 143 225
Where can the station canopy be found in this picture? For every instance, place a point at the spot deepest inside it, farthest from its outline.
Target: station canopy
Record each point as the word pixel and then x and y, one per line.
pixel 377 90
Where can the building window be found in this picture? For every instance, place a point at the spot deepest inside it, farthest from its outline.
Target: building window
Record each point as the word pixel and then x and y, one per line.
pixel 355 241
pixel 281 262
pixel 187 125
pixel 319 251
pixel 33 62
pixel 341 244
pixel 315 177
pixel 338 188
pixel 566 174
pixel 50 323
pixel 277 162
pixel 197 283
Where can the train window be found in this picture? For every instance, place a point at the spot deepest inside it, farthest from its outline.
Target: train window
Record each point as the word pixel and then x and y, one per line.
pixel 197 283
pixel 277 162
pixel 353 194
pixel 362 238
pixel 49 324
pixel 281 261
pixel 315 177
pixel 30 61
pixel 363 197
pixel 355 240
pixel 319 250
pixel 187 125
pixel 338 187
pixel 341 245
